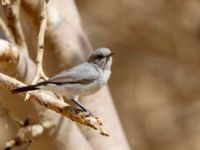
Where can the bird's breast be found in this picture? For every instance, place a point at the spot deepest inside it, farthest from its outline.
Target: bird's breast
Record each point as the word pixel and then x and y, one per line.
pixel 105 77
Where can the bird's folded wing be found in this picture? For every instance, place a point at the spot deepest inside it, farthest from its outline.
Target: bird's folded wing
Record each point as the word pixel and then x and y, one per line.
pixel 83 74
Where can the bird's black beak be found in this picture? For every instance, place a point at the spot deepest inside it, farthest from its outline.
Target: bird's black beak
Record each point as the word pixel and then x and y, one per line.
pixel 109 55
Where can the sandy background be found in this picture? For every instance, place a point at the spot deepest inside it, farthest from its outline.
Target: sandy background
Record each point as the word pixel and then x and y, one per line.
pixel 156 70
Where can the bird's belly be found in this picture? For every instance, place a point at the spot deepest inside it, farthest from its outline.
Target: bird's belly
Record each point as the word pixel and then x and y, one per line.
pixel 70 90
pixel 91 89
pixel 83 89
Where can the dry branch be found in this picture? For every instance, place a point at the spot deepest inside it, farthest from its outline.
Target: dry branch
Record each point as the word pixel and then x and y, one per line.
pixel 56 105
pixel 71 46
pixel 26 132
pixel 12 11
pixel 14 62
pixel 6 31
pixel 40 47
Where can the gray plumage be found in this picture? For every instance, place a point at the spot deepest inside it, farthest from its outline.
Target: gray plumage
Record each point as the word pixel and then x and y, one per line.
pixel 79 81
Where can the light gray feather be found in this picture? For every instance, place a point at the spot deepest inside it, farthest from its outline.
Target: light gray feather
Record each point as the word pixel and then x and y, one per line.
pixel 82 73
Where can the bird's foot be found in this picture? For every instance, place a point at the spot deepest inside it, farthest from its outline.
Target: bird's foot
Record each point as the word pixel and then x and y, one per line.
pixel 81 106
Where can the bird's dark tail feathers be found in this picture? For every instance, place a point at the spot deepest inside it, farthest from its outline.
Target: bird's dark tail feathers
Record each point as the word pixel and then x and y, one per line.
pixel 25 88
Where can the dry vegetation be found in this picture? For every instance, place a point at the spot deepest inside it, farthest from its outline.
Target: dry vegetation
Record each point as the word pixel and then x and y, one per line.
pixel 39 38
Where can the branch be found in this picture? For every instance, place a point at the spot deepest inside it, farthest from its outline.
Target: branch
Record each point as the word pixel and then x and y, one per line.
pixel 11 8
pixel 6 30
pixel 40 47
pixel 56 105
pixel 14 62
pixel 27 131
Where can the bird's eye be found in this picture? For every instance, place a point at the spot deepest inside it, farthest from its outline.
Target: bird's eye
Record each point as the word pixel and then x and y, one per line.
pixel 99 56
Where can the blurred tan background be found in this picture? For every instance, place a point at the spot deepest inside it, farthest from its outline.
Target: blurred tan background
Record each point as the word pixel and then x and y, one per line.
pixel 156 71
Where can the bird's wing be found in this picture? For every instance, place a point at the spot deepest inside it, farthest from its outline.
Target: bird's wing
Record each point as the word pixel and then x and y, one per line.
pixel 83 73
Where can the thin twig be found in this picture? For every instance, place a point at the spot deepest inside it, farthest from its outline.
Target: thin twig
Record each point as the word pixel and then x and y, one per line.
pixel 12 8
pixel 56 105
pixel 40 47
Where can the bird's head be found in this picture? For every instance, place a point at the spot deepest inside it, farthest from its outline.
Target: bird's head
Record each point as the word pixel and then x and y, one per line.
pixel 101 57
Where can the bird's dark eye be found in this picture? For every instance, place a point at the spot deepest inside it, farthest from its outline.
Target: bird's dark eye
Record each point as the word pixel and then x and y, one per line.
pixel 99 56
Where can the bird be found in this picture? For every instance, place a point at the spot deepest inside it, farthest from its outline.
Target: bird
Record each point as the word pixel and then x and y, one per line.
pixel 77 82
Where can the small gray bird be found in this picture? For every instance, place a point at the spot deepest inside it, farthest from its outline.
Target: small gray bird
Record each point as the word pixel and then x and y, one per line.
pixel 79 81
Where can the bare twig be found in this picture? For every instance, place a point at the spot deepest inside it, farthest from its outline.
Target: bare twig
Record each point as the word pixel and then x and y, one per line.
pixel 40 47
pixel 21 136
pixel 56 105
pixel 26 132
pixel 41 36
pixel 12 8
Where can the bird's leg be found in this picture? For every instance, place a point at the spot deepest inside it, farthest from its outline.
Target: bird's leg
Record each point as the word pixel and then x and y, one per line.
pixel 75 100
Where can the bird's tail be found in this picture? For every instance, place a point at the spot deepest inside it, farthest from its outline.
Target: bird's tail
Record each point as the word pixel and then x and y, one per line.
pixel 25 88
